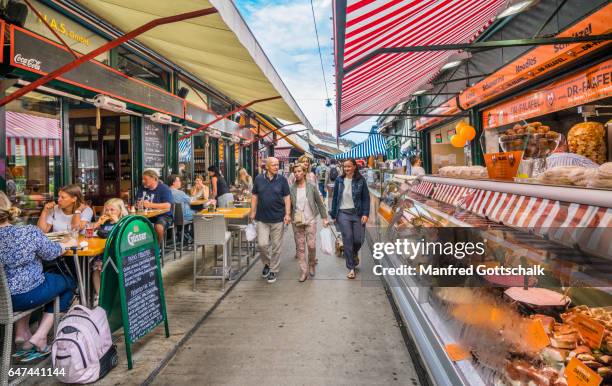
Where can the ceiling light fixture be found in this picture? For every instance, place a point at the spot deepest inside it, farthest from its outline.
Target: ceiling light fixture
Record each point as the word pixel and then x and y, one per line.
pixel 516 6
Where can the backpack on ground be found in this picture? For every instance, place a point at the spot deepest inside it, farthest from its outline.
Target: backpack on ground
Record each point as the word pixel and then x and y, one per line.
pixel 333 173
pixel 83 350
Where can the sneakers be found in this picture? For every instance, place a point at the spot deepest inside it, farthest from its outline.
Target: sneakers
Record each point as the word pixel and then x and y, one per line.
pixel 266 271
pixel 271 277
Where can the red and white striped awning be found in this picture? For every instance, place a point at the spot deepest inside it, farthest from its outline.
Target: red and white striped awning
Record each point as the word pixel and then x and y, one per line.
pixel 282 154
pixel 31 135
pixel 362 26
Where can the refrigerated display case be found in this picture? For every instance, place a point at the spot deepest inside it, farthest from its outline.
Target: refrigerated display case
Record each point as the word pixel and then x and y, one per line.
pixel 488 329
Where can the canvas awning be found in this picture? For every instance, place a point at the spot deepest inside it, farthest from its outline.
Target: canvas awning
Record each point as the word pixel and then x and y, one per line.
pixel 362 27
pixel 219 49
pixel 376 144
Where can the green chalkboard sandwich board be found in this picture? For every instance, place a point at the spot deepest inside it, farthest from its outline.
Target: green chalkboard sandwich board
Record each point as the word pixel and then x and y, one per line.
pixel 132 291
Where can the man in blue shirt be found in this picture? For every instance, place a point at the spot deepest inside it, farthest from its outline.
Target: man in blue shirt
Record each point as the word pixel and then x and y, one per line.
pixel 271 207
pixel 154 194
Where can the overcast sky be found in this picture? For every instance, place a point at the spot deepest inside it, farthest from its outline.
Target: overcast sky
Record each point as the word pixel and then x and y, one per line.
pixel 285 30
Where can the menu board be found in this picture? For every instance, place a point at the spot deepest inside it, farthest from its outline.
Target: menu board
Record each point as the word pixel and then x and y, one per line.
pixel 144 309
pixel 153 149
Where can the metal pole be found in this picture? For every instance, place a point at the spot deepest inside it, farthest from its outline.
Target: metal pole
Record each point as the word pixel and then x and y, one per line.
pixel 220 118
pixel 104 48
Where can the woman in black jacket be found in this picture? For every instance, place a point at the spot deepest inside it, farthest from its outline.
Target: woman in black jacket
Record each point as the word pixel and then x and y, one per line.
pixel 350 210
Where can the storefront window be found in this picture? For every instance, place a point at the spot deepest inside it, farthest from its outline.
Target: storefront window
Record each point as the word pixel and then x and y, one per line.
pixel 132 65
pixel 33 151
pixel 443 153
pixel 192 95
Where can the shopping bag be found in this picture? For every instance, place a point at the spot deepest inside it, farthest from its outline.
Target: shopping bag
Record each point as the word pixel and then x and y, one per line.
pixel 251 232
pixel 327 241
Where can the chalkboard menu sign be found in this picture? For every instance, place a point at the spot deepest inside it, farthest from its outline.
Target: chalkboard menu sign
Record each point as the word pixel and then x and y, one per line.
pixel 42 56
pixel 153 145
pixel 132 291
pixel 142 298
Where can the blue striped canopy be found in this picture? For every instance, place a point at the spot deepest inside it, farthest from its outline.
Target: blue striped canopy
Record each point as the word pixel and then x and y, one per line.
pixel 376 144
pixel 184 150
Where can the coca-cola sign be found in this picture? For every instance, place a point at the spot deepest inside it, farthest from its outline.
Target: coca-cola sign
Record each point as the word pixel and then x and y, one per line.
pixel 30 63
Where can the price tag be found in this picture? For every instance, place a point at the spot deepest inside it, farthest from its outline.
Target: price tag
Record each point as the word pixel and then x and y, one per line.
pixel 503 166
pixel 456 352
pixel 535 335
pixel 578 374
pixel 592 332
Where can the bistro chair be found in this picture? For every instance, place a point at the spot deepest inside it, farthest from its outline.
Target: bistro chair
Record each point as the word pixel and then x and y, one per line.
pixel 180 221
pixel 172 228
pixel 211 230
pixel 7 318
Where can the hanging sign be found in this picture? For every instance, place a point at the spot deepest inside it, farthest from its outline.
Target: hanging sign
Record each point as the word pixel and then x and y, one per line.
pixel 447 108
pixel 503 166
pixel 589 85
pixel 541 60
pixel 132 291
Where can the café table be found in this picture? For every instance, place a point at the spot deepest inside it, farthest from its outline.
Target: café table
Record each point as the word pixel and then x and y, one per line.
pixel 240 217
pixel 95 247
pixel 149 213
pixel 199 202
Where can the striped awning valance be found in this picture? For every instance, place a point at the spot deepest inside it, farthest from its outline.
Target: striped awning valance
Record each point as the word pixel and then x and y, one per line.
pixel 376 144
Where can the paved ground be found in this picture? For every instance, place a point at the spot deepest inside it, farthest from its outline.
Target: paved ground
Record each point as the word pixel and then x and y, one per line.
pixel 328 330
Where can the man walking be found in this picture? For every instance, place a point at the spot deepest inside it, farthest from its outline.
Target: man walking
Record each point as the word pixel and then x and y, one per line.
pixel 271 207
pixel 322 172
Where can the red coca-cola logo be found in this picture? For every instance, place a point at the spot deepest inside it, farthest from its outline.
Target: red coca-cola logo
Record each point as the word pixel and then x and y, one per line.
pixel 30 63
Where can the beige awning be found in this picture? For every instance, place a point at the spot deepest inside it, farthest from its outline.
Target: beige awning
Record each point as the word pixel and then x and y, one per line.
pixel 219 49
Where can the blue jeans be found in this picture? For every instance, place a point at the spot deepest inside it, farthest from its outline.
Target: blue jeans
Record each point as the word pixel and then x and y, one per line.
pixel 54 285
pixel 352 231
pixel 322 189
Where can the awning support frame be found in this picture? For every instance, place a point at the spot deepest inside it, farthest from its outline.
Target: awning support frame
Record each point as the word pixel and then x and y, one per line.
pixel 104 48
pixel 221 117
pixel 478 46
pixel 54 32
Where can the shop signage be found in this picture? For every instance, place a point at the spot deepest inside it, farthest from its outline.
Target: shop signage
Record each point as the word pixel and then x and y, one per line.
pixel 540 60
pixel 578 374
pixel 584 87
pixel 39 55
pixel 132 291
pixel 199 116
pixel 153 149
pixel 503 166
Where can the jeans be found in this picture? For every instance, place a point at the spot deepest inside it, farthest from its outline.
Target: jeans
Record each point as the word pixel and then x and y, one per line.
pixel 269 238
pixel 54 285
pixel 224 200
pixel 322 189
pixel 306 235
pixel 352 236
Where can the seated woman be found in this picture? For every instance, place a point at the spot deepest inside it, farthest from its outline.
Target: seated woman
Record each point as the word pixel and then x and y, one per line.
pixel 70 212
pixel 21 250
pixel 114 210
pixel 244 182
pixel 199 190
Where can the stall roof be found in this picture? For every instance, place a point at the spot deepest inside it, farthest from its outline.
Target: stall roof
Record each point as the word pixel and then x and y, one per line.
pixel 362 26
pixel 376 144
pixel 219 49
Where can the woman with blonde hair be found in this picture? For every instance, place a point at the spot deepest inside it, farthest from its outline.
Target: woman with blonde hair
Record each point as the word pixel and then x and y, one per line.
pixel 244 182
pixel 306 162
pixel 22 249
pixel 70 212
pixel 114 210
pixel 306 205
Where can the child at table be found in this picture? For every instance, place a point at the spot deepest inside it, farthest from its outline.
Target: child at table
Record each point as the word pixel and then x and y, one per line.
pixel 114 210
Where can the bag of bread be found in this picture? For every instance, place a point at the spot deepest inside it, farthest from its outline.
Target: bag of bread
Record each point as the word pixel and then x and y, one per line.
pixel 588 139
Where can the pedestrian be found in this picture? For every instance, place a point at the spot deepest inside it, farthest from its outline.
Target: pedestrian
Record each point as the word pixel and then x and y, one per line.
pixel 310 176
pixel 271 207
pixel 415 166
pixel 350 210
pixel 218 188
pixel 322 173
pixel 156 195
pixel 306 205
